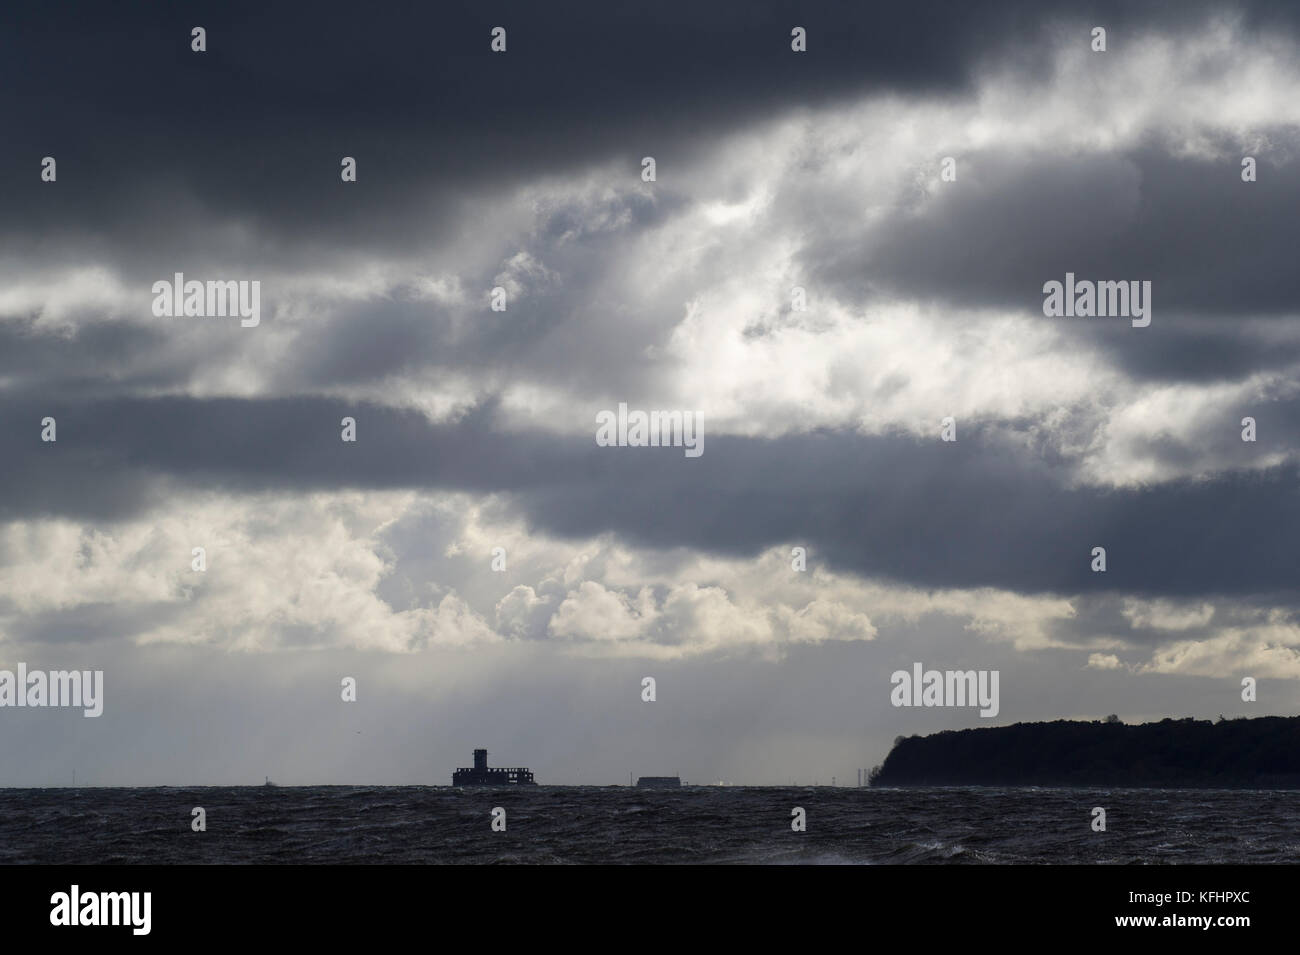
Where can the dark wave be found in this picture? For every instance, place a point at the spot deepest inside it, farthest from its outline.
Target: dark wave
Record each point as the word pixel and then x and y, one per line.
pixel 580 825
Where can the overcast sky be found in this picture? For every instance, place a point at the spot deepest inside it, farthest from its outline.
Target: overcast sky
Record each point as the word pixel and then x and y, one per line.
pixel 476 428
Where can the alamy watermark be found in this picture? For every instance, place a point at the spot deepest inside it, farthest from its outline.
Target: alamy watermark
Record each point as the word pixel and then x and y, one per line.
pixel 1086 299
pixel 75 907
pixel 653 429
pixel 84 688
pixel 946 688
pixel 209 299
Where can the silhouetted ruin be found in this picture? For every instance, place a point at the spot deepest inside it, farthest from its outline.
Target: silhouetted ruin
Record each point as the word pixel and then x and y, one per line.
pixel 482 775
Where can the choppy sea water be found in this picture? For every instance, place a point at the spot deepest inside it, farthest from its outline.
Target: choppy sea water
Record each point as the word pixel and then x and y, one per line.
pixel 589 824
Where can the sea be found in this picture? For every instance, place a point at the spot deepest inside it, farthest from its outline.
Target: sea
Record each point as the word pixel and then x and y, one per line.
pixel 730 825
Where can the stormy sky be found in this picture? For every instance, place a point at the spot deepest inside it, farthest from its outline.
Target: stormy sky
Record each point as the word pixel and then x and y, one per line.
pixel 522 170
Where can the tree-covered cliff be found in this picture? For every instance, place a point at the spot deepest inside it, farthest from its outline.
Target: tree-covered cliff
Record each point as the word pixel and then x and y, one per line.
pixel 1241 753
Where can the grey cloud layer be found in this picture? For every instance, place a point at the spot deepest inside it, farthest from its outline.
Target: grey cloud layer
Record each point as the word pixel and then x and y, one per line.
pixel 1207 241
pixel 967 514
pixel 154 140
pixel 233 162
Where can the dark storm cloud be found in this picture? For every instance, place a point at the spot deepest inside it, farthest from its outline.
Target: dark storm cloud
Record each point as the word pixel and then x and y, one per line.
pixel 1191 348
pixel 88 622
pixel 166 156
pixel 1207 241
pixel 570 325
pixel 966 514
pixel 105 357
pixel 1100 617
pixel 157 144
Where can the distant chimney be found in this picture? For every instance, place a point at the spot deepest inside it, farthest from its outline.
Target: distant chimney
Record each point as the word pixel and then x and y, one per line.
pixel 480 759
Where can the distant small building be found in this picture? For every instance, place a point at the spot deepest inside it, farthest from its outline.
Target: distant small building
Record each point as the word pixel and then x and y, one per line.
pixel 482 775
pixel 659 782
